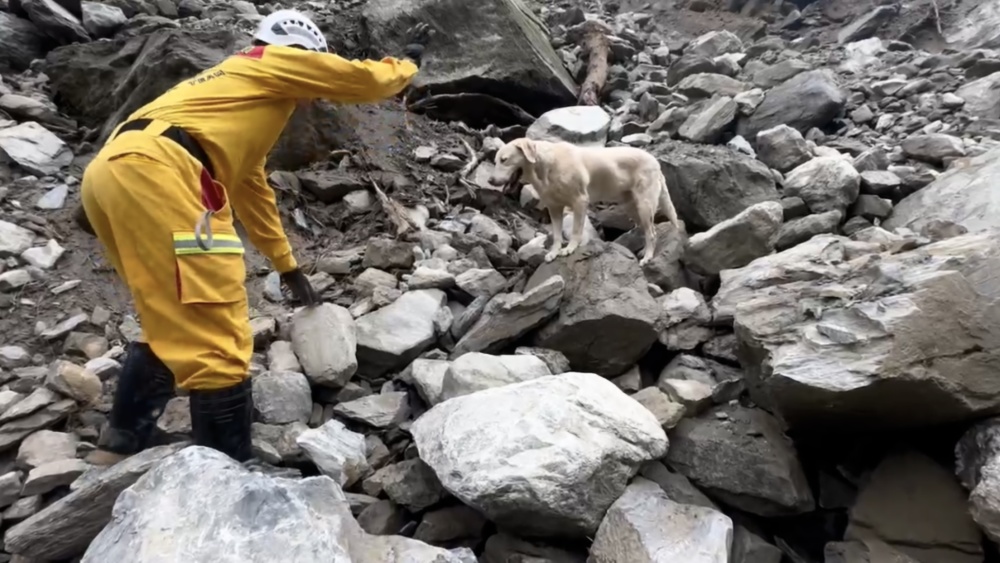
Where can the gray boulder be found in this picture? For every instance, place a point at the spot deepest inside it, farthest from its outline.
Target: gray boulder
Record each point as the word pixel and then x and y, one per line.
pixel 809 99
pixel 200 505
pixel 966 195
pixel 737 241
pixel 395 335
pixel 475 371
pixel 825 183
pixel 509 316
pixel 710 184
pixel 741 457
pixel 605 295
pixel 504 53
pixel 504 452
pixel 324 339
pixel 917 326
pixel 782 148
pixel 59 24
pixel 645 526
pixel 20 42
pixel 102 20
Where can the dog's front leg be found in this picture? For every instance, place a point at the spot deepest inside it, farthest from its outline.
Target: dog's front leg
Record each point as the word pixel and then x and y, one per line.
pixel 556 215
pixel 579 219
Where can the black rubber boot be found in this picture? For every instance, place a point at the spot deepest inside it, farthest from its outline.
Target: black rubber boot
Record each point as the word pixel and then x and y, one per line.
pixel 145 386
pixel 221 418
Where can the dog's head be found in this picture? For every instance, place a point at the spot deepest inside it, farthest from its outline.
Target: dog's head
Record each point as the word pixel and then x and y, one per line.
pixel 511 159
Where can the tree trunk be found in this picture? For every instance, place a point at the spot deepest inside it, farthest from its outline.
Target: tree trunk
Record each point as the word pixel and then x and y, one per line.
pixel 596 49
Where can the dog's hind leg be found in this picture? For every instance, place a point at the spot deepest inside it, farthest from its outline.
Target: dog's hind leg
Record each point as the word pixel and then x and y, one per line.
pixel 645 216
pixel 666 205
pixel 579 220
pixel 556 215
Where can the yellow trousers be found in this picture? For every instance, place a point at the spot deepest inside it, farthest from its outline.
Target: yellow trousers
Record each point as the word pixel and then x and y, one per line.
pixel 142 196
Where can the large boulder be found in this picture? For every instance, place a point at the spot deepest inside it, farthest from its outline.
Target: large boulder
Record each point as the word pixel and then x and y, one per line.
pixel 34 148
pixel 396 334
pixel 606 316
pixel 541 458
pixel 200 505
pixel 711 184
pixel 55 21
pixel 982 96
pixel 807 100
pixel 966 195
pixel 828 329
pixel 492 47
pixel 20 42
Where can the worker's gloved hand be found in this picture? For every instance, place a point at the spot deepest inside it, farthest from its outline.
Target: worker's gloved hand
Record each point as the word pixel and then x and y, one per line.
pixel 417 38
pixel 299 285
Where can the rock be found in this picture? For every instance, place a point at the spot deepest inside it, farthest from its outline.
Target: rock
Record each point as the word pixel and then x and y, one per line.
pixel 102 20
pixel 707 125
pixel 20 42
pixel 963 195
pixel 338 452
pixel 380 411
pixel 281 357
pixel 825 183
pixel 14 240
pixel 505 548
pixel 10 487
pixel 556 487
pixel 372 279
pixel 800 230
pixel 382 518
pixel 867 25
pixel 44 447
pixel 450 523
pixel 982 97
pixel 331 186
pixel 507 55
pixel 410 483
pixel 324 340
pixel 711 184
pixel 475 371
pixel 509 316
pixel 684 316
pixel 388 254
pixel 939 516
pixel 49 476
pixel 782 148
pixel 867 550
pixel 395 335
pixel 484 227
pixel 74 381
pixel 55 21
pixel 807 100
pixel 310 519
pixel 605 294
pixel 282 397
pixel 644 526
pixel 54 198
pixel 430 278
pixel 902 338
pixel 750 548
pixel 44 257
pixel 481 282
pixel 428 378
pixel 667 412
pixel 737 241
pixel 933 148
pixel 777 73
pixel 580 125
pixel 707 85
pixel 35 148
pixel 65 528
pixel 741 457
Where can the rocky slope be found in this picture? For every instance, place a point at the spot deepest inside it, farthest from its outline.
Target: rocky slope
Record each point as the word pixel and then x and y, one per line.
pixel 810 376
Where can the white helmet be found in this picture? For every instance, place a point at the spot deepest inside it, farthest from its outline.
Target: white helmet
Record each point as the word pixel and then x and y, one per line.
pixel 288 27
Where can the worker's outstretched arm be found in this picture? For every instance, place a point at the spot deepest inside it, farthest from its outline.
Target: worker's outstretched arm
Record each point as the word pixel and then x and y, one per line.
pixel 255 207
pixel 297 73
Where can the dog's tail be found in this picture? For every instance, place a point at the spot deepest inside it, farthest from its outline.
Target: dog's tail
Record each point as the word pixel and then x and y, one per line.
pixel 666 205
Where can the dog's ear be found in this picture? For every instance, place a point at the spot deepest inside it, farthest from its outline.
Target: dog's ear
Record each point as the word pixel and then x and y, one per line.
pixel 527 147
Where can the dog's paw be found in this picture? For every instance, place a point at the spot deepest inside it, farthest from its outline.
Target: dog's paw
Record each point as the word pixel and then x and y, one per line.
pixel 567 251
pixel 551 255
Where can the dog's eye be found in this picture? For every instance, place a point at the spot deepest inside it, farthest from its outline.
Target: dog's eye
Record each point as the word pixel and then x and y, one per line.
pixel 503 159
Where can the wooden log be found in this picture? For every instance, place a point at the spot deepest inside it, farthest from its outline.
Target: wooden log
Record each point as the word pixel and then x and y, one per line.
pixel 592 35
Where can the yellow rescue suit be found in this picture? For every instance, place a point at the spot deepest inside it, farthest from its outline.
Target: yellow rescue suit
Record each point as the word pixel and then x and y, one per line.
pixel 144 193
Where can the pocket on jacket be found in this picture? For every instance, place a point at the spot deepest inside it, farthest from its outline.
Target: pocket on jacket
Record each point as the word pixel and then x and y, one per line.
pixel 216 275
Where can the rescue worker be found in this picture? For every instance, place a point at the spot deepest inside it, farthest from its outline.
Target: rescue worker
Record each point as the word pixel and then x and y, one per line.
pixel 161 195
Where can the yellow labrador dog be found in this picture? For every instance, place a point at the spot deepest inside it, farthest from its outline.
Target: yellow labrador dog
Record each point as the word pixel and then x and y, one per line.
pixel 567 175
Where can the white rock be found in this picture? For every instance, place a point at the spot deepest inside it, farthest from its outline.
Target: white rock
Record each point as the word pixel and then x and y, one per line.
pixel 282 397
pixel 338 452
pixel 14 240
pixel 580 125
pixel 395 335
pixel 474 371
pixel 54 198
pixel 44 257
pixel 35 148
pixel 542 457
pixel 324 339
pixel 200 505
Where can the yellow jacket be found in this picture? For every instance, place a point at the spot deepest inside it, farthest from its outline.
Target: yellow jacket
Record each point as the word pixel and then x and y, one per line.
pixel 238 109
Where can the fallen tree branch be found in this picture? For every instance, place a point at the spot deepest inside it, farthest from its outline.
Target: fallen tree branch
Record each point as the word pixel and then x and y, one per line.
pixel 473 160
pixel 592 35
pixel 937 17
pixel 397 213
